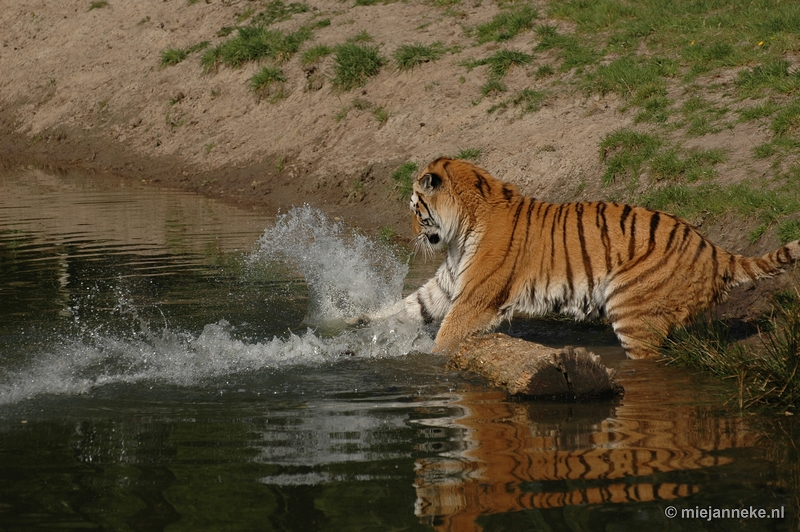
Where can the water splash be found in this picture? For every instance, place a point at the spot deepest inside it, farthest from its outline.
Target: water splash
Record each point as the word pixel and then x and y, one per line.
pixel 347 273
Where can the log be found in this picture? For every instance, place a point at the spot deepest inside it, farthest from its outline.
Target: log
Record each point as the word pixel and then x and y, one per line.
pixel 534 371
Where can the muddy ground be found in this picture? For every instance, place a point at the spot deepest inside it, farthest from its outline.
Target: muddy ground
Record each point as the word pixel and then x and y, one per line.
pixel 84 87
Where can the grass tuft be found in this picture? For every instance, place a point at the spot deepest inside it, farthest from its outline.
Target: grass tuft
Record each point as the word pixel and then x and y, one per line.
pixel 173 56
pixel 624 151
pixel 404 178
pixel 769 376
pixel 506 25
pixel 469 154
pixel 265 80
pixel 408 56
pixel 355 64
pixel 315 54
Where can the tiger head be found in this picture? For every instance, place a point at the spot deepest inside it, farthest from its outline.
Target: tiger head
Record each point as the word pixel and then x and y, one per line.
pixel 451 196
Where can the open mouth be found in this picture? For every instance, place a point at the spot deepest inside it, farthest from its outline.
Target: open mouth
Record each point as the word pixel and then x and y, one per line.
pixel 433 239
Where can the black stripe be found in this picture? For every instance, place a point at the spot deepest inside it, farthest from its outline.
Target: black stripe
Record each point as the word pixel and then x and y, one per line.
pixel 603 224
pixel 625 212
pixel 423 310
pixel 481 183
pixel 654 221
pixel 587 263
pixel 632 239
pixel 553 237
pixel 700 249
pixel 566 257
pixel 507 192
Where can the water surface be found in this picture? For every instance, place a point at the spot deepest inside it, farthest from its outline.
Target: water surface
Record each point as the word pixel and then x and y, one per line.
pixel 168 362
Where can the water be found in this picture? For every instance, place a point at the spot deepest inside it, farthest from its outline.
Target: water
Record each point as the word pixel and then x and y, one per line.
pixel 169 362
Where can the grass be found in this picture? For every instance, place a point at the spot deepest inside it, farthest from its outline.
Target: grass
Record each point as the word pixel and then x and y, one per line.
pixel 625 151
pixel 355 64
pixel 381 115
pixel 506 25
pixel 277 11
pixel 408 56
pixel 695 165
pixel 314 54
pixel 253 43
pixel 765 375
pixel 766 206
pixel 572 53
pixel 403 178
pixel 98 4
pixel 469 154
pixel 526 100
pixel 173 56
pixel 265 80
pixel 501 62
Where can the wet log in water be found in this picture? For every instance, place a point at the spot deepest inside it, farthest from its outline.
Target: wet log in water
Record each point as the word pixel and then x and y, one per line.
pixel 531 370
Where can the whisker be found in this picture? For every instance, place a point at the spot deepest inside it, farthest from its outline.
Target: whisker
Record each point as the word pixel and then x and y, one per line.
pixel 422 243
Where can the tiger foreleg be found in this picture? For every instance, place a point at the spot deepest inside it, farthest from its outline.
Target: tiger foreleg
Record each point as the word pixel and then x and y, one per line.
pixel 461 322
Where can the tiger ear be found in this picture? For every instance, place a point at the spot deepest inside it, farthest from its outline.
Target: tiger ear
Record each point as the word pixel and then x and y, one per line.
pixel 429 182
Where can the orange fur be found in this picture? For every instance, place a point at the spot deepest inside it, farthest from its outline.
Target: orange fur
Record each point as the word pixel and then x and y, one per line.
pixel 647 271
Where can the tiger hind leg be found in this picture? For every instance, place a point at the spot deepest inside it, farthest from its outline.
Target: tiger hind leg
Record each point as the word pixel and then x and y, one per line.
pixel 642 328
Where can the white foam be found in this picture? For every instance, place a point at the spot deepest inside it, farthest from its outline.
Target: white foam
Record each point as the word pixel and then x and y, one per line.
pixel 347 274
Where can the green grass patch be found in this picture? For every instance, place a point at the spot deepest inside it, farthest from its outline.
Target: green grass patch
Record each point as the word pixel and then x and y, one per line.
pixel 701 116
pixel 768 375
pixel 265 80
pixel 573 53
pixel 625 151
pixel 526 101
pixel 774 76
pixel 634 78
pixel 787 119
pixel 98 4
pixel 403 178
pixel 355 64
pixel 493 86
pixel 788 231
pixel 502 61
pixel 757 112
pixel 381 115
pixel 506 25
pixel 765 205
pixel 470 154
pixel 277 11
pixel 253 43
pixel 361 37
pixel 173 56
pixel 315 53
pixel 408 56
pixel 697 164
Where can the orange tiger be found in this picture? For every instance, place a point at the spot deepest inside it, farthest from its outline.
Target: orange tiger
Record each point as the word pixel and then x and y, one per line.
pixel 645 270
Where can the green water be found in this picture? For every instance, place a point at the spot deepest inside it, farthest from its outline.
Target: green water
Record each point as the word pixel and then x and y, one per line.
pixel 157 372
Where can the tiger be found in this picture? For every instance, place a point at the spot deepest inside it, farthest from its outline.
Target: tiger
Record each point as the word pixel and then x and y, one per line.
pixel 644 270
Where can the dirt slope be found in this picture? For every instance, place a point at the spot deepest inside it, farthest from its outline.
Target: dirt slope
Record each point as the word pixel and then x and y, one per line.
pixel 84 86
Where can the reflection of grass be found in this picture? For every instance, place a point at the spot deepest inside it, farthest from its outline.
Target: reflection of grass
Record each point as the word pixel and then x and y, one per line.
pixel 769 375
